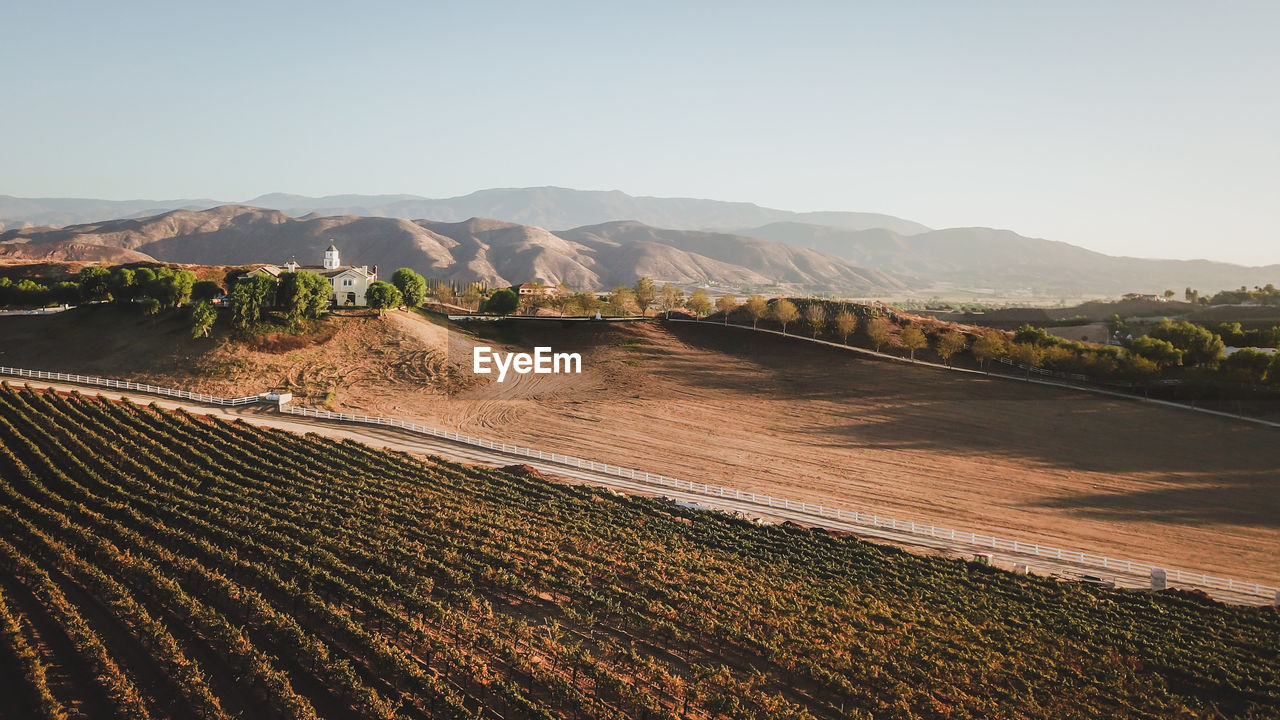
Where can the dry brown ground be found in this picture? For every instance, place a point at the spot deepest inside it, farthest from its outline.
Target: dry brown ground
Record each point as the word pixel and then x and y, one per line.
pixel 775 415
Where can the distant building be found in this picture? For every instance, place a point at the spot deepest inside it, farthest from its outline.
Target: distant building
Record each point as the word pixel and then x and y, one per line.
pixel 349 282
pixel 525 289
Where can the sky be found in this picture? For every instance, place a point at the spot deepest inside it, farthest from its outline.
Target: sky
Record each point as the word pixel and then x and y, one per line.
pixel 1132 128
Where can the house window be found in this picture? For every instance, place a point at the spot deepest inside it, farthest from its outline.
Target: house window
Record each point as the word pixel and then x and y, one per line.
pixel 348 282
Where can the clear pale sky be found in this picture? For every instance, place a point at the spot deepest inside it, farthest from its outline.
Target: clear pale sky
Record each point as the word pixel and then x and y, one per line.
pixel 1139 128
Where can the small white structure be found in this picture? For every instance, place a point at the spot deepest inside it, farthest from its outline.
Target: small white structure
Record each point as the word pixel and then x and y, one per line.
pixel 332 261
pixel 1159 579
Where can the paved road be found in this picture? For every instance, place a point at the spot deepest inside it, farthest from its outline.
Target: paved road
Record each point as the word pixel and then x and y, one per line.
pixel 268 416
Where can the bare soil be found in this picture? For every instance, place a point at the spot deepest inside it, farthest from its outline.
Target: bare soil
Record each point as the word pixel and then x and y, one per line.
pixel 769 414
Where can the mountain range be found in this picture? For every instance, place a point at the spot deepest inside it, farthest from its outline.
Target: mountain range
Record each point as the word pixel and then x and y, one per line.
pixel 492 251
pixel 611 238
pixel 544 207
pixel 988 260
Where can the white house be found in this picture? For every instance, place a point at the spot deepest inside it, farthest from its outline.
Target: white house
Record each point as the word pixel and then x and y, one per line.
pixel 349 282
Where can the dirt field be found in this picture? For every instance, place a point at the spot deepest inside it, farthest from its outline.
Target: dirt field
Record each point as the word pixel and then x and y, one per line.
pixel 775 415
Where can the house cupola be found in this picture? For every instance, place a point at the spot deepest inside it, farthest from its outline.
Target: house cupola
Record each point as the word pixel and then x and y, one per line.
pixel 331 261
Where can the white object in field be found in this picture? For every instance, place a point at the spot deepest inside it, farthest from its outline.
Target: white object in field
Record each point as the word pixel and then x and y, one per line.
pixel 598 315
pixel 277 398
pixel 1159 579
pixel 1020 568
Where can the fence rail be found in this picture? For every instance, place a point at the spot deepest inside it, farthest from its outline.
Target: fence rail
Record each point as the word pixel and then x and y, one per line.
pixel 871 520
pixel 137 387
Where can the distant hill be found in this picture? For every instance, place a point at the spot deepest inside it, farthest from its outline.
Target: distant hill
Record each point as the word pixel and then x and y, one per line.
pixel 653 251
pixel 1003 260
pixel 18 212
pixel 545 207
pixel 492 251
pixel 559 208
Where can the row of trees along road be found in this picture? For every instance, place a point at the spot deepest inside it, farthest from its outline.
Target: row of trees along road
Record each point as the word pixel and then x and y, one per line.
pixel 154 288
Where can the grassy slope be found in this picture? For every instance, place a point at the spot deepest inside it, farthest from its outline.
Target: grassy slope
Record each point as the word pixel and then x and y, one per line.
pixel 379 585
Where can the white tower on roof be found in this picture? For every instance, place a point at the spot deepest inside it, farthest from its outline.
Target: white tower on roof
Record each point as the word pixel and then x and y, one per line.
pixel 331 261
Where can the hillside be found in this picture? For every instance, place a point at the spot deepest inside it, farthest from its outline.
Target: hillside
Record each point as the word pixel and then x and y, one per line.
pixel 138 577
pixel 985 259
pixel 760 413
pixel 651 250
pixel 490 251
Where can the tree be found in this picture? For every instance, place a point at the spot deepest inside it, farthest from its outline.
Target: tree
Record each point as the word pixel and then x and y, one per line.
pixel 726 304
pixel 584 303
pixel 1116 324
pixel 249 299
pixel 757 307
pixel 1168 294
pixel 1101 366
pixel 143 277
pixel 1160 352
pixel 536 297
pixel 950 343
pixel 815 316
pixel 785 312
pixel 645 294
pixel 698 303
pixel 1247 365
pixel 913 339
pixel 879 332
pixel 303 294
pixel 502 302
pixel 203 315
pixel 1063 357
pixel 846 323
pixel 1273 371
pixel 66 292
pixel 1029 354
pixel 172 288
pixel 413 289
pixel 1028 333
pixel 123 286
pixel 1199 345
pixel 670 297
pixel 440 292
pixel 990 345
pixel 205 290
pixel 623 300
pixel 95 283
pixel 472 296
pixel 383 295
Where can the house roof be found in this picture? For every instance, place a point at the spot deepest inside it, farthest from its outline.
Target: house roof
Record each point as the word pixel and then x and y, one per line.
pixel 332 247
pixel 363 272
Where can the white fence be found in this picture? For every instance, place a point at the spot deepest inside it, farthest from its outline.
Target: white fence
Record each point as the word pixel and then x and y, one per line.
pixel 869 520
pixel 137 387
pixel 852 517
